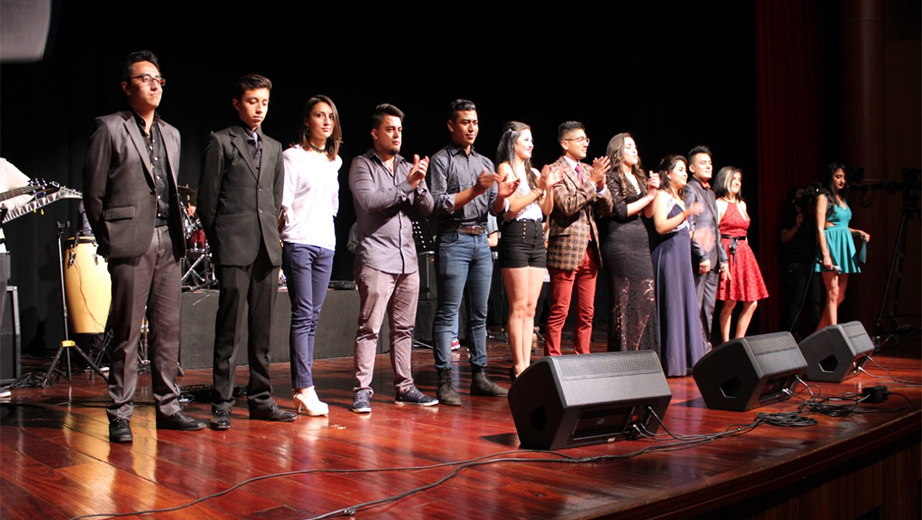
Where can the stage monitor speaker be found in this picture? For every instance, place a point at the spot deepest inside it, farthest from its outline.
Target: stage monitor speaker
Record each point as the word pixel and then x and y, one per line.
pixel 10 362
pixel 836 352
pixel 566 401
pixel 746 373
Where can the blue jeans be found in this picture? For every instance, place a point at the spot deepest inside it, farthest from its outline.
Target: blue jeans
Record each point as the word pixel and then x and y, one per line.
pixel 307 269
pixel 463 260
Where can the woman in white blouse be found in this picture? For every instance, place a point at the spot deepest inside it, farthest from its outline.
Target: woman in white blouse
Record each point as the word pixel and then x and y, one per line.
pixel 522 255
pixel 309 203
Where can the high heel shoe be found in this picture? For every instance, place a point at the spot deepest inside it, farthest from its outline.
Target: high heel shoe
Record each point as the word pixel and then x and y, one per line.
pixel 512 375
pixel 310 402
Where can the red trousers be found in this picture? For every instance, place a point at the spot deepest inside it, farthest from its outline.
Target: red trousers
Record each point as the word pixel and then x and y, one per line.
pixel 562 283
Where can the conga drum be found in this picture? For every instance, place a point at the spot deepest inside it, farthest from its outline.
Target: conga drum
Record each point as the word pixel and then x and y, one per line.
pixel 87 285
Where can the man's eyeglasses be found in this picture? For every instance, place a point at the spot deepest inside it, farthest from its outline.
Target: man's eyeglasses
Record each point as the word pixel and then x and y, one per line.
pixel 580 140
pixel 147 79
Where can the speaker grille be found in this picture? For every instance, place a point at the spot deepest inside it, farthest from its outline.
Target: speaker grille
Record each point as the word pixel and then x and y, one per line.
pixel 858 337
pixel 571 368
pixel 769 344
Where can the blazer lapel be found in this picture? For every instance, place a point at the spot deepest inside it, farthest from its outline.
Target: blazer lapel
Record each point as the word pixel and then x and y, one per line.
pixel 240 142
pixel 568 173
pixel 172 150
pixel 132 128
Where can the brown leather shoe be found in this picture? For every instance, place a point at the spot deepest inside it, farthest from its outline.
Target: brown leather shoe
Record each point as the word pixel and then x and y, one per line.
pixel 481 384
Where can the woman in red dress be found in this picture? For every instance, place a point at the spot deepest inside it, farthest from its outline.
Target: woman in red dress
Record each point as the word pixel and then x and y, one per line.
pixel 743 282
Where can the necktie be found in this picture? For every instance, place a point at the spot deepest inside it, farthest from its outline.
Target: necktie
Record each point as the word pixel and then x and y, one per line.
pixel 257 149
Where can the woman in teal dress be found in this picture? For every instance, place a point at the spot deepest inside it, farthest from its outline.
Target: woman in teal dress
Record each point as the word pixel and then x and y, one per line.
pixel 836 244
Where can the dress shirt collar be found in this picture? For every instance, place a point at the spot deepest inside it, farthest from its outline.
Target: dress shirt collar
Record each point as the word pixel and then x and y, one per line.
pixel 371 153
pixel 571 162
pixel 251 134
pixel 456 150
pixel 693 178
pixel 142 124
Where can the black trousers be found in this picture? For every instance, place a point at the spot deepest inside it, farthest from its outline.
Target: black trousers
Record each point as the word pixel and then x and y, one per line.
pixel 804 296
pixel 246 301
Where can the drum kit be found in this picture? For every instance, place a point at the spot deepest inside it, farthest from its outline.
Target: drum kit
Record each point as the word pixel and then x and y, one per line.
pixel 197 266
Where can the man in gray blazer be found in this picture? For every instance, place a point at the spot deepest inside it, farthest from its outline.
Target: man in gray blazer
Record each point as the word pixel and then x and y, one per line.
pixel 709 259
pixel 129 187
pixel 239 197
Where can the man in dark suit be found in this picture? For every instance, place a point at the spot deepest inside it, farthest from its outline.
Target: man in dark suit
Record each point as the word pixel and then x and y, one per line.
pixel 240 193
pixel 129 187
pixel 709 259
pixel 573 251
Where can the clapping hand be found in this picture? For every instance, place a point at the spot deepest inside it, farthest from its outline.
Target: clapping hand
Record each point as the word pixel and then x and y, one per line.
pixel 418 171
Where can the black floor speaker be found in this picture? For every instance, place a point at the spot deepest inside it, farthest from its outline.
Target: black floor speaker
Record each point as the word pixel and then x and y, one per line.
pixel 574 400
pixel 836 352
pixel 750 372
pixel 10 362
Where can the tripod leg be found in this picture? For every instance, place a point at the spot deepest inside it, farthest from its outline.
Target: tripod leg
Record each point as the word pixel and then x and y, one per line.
pixel 91 362
pixel 54 365
pixel 69 370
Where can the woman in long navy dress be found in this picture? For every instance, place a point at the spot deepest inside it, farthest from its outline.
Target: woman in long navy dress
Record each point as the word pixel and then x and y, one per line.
pixel 681 341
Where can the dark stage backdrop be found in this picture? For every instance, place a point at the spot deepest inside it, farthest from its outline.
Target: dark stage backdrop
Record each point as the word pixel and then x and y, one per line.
pixel 674 76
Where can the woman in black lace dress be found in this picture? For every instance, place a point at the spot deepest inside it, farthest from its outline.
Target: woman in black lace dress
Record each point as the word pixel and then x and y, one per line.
pixel 627 250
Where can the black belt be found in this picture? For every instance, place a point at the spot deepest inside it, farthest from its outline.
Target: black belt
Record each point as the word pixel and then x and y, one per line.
pixel 733 243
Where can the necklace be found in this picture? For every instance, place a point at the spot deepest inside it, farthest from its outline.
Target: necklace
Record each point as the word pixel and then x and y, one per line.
pixel 314 148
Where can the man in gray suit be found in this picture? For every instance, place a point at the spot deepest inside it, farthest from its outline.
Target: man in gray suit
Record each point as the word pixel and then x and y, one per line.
pixel 129 187
pixel 709 259
pixel 239 197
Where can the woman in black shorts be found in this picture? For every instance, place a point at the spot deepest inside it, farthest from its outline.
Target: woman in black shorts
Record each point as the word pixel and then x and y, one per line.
pixel 522 255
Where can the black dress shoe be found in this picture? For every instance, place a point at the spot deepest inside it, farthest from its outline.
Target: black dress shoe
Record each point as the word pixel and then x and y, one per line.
pixel 179 421
pixel 272 413
pixel 120 431
pixel 220 420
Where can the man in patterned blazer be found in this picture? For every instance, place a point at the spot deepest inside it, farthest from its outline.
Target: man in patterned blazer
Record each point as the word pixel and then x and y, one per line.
pixel 573 256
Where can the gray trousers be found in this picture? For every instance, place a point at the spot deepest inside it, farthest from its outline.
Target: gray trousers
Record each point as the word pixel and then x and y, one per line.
pixel 397 295
pixel 152 279
pixel 706 287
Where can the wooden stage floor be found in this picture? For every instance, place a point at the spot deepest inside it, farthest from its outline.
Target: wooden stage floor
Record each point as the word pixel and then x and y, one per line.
pixel 57 462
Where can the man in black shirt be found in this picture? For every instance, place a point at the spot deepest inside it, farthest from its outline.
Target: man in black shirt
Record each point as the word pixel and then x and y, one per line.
pixel 129 187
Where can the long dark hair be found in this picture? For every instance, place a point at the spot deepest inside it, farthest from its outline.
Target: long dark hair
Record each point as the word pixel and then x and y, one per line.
pixel 505 151
pixel 830 188
pixel 665 166
pixel 335 139
pixel 615 152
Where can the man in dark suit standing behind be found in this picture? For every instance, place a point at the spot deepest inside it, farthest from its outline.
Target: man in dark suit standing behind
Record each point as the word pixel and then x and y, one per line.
pixel 240 193
pixel 709 258
pixel 129 186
